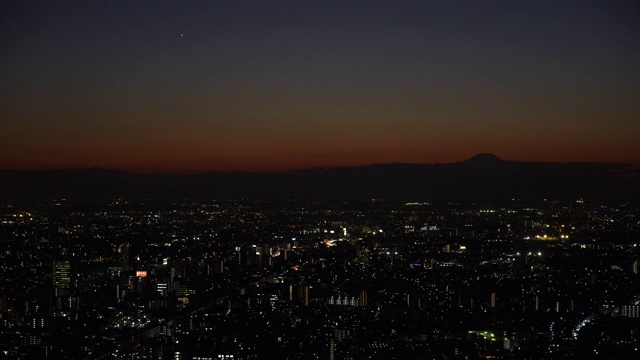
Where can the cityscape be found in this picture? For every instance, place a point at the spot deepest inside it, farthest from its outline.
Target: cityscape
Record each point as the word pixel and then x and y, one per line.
pixel 305 279
pixel 319 179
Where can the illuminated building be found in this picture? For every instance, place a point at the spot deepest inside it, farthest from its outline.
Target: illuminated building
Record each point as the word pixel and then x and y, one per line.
pixel 61 277
pixel 299 293
pixel 362 300
pixel 632 311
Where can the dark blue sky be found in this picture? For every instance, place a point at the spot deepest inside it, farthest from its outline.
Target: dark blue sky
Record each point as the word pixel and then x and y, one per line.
pixel 273 85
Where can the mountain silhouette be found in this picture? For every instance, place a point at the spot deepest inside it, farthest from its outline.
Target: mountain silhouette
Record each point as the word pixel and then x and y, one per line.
pixel 484 176
pixel 484 159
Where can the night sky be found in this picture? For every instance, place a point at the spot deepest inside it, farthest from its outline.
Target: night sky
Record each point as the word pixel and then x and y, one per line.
pixel 190 86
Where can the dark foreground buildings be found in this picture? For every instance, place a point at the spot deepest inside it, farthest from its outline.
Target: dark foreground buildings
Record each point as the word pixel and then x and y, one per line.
pixel 328 280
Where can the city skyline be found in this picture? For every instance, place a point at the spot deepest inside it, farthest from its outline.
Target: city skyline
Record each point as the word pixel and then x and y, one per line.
pixel 195 86
pixel 316 279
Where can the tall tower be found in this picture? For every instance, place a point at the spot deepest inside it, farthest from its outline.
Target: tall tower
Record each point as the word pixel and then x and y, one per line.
pixel 303 294
pixel 61 277
pixel 123 256
pixel 332 349
pixel 362 299
pixel 299 293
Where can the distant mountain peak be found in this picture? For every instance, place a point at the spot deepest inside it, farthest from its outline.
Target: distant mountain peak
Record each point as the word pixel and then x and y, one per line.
pixel 484 176
pixel 484 158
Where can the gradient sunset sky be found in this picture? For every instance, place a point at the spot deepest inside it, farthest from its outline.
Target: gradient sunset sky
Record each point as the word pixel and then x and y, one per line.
pixel 191 86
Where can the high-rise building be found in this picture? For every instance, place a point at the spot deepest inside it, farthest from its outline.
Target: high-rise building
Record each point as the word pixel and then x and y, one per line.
pixel 61 277
pixel 219 268
pixel 362 299
pixel 123 256
pixel 299 293
pixel 632 311
pixel 163 287
pixel 332 349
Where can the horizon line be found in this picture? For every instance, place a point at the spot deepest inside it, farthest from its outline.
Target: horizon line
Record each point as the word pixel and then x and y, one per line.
pixel 489 156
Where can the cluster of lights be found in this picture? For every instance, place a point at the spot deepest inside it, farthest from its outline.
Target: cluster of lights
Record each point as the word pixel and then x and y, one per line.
pixel 580 326
pixel 485 334
pixel 546 237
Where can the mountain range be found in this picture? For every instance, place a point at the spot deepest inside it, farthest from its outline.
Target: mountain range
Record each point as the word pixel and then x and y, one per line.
pixel 484 176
